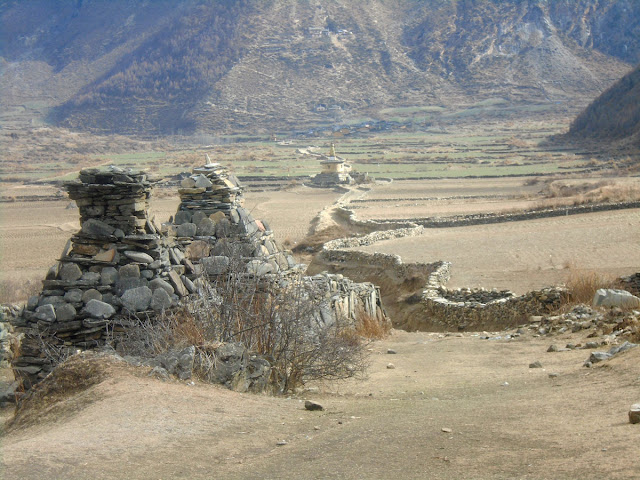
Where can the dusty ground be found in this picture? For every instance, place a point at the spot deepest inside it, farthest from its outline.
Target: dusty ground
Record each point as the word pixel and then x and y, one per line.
pixel 387 426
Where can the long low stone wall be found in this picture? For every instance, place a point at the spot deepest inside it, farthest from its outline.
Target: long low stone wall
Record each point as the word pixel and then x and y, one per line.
pixel 479 309
pixel 441 308
pixel 489 218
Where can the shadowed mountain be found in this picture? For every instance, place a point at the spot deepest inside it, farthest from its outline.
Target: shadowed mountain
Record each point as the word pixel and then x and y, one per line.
pixel 614 116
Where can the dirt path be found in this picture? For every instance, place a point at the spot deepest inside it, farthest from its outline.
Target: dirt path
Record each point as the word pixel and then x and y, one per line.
pixel 388 426
pixel 328 218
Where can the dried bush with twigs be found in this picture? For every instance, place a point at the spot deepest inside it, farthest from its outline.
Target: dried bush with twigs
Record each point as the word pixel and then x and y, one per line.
pixel 281 321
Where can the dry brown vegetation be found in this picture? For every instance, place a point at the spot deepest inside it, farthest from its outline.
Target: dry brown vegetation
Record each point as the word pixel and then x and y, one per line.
pixel 582 284
pixel 602 191
pixel 279 322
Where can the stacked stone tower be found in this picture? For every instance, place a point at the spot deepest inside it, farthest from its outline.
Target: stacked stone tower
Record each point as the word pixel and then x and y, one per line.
pixel 214 227
pixel 116 265
pixel 120 265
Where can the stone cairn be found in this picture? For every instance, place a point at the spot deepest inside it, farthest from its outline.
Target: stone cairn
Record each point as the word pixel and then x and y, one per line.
pixel 214 228
pixel 121 265
pixel 117 265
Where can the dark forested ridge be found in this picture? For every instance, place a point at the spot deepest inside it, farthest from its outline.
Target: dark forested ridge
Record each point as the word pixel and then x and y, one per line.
pixel 181 66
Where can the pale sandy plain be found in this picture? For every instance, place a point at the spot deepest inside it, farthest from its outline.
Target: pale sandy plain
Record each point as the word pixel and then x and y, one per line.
pixel 453 408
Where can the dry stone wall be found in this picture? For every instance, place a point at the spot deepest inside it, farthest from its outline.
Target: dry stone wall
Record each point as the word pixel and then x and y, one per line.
pixel 488 218
pixel 444 309
pixel 480 309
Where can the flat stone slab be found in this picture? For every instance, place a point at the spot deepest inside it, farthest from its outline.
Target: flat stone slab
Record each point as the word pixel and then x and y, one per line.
pixel 179 287
pixel 98 309
pixel 139 257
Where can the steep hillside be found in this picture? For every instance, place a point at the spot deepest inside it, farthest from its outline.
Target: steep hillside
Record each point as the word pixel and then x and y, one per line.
pixel 183 66
pixel 614 116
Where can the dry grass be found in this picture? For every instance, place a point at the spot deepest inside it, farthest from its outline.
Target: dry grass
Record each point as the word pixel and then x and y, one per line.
pixel 371 328
pixel 560 193
pixel 77 374
pixel 583 284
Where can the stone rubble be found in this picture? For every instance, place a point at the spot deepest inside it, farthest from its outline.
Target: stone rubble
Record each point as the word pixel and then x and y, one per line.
pixel 212 225
pixel 476 309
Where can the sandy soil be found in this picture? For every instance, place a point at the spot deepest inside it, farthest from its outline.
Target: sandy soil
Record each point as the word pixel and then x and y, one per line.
pixel 33 234
pixel 506 421
pixel 437 198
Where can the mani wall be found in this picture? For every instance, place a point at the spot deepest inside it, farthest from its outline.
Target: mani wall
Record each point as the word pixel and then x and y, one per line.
pixel 121 265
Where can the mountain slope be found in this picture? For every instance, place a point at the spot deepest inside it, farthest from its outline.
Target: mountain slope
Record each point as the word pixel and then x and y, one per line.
pixel 614 115
pixel 249 65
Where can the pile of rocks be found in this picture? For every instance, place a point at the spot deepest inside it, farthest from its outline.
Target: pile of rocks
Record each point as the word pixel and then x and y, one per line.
pixel 214 228
pixel 474 295
pixel 118 264
pixel 632 283
pixel 219 235
pixel 346 300
pixel 210 189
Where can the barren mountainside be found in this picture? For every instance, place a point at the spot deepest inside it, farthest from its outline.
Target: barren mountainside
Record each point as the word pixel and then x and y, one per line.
pixel 247 65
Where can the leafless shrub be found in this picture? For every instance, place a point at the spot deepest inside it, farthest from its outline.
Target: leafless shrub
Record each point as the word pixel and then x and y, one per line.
pixel 280 321
pixel 370 327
